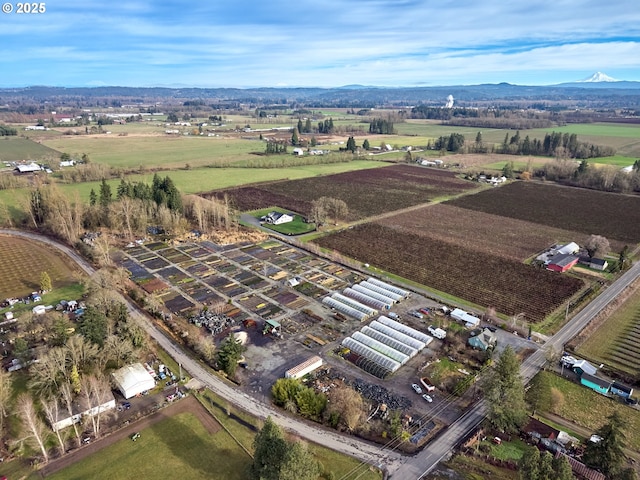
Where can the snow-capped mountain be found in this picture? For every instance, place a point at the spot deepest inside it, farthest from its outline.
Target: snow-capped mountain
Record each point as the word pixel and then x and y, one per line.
pixel 597 78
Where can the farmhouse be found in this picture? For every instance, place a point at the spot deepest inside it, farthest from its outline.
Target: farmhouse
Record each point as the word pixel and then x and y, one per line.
pixel 621 390
pixel 562 262
pixel 277 218
pixel 133 379
pixel 595 263
pixel 485 340
pixel 598 384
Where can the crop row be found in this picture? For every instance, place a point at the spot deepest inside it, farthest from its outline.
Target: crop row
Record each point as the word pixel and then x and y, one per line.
pixel 509 286
pixel 614 216
pixel 366 192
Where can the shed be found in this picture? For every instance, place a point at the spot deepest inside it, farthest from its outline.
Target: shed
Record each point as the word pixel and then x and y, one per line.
pixel 469 320
pixel 562 262
pixel 621 390
pixel 570 248
pixel 133 379
pixel 304 368
pixel 600 385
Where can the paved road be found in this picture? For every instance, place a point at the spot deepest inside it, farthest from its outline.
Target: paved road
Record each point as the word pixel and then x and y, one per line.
pixel 398 467
pixel 422 463
pixel 364 451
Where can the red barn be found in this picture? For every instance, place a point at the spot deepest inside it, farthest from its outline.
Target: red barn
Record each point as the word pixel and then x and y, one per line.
pixel 562 262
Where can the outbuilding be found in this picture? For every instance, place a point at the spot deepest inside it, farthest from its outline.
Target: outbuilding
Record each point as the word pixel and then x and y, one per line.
pixel 562 262
pixel 133 379
pixel 304 368
pixel 469 320
pixel 598 384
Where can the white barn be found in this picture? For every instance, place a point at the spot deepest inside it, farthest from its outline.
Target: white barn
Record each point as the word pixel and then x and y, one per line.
pixel 133 379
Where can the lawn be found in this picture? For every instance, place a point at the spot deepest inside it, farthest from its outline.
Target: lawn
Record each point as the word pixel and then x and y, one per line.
pixel 297 227
pixel 613 342
pixel 16 149
pixel 512 450
pixel 589 409
pixel 178 447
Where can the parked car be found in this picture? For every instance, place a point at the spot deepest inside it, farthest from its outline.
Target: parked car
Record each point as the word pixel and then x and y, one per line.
pixel 427 398
pixel 395 316
pixel 425 311
pixel 416 388
pixel 126 405
pixel 416 314
pixel 135 436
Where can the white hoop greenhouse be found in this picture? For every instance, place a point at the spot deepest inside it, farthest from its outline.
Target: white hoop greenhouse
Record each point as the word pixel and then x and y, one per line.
pixel 381 291
pixel 401 337
pixel 388 287
pixel 378 296
pixel 366 299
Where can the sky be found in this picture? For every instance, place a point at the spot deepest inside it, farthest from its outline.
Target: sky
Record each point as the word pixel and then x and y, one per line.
pixel 319 43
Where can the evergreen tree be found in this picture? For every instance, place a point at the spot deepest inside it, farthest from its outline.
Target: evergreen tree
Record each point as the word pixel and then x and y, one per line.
pixel 229 355
pixel 562 468
pixel 300 126
pixel 365 144
pixel 504 393
pixel 507 170
pixel 307 126
pixel 295 138
pixel 607 455
pixel 351 145
pixel 539 393
pixel 299 464
pixel 93 198
pixel 270 448
pixel 529 464
pixel 545 468
pixel 45 282
pixel 105 194
pixel 93 325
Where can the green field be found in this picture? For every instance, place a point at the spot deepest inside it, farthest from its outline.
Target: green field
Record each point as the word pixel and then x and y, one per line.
pixel 16 149
pixel 178 447
pixel 613 342
pixel 589 409
pixel 201 180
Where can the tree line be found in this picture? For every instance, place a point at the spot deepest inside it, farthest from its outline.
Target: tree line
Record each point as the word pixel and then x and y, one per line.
pixel 553 144
pixel 7 131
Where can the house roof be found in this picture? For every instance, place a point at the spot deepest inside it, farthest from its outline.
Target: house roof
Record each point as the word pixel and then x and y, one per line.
pixel 536 426
pixel 585 366
pixel 622 387
pixel 598 261
pixel 563 260
pixel 601 382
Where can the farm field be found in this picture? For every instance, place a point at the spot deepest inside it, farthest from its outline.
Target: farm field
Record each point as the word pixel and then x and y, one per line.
pixel 366 193
pixel 509 286
pixel 16 149
pixel 589 409
pixel 617 341
pixel 23 261
pixel 204 179
pixel 155 151
pixel 614 216
pixel 484 232
pixel 177 447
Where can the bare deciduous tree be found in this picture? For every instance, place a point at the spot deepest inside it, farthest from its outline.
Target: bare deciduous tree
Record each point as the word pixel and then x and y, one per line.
pixel 5 396
pixel 95 393
pixel 597 244
pixel 34 430
pixel 67 396
pixel 52 412
pixel 349 405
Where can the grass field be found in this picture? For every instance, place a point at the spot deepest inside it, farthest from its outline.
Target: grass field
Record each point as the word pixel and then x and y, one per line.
pixel 589 409
pixel 615 342
pixel 23 261
pixel 16 149
pixel 202 179
pixel 297 227
pixel 178 447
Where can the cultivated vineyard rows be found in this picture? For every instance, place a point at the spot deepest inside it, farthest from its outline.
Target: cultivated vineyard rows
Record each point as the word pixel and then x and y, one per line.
pixel 505 284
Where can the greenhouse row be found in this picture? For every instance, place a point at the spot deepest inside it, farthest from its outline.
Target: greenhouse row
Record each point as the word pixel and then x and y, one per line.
pixel 344 308
pixel 386 286
pixel 386 346
pixel 377 295
pixel 370 312
pixel 381 291
pixel 366 299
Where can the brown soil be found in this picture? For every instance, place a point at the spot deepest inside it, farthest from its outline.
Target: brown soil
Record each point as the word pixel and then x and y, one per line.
pixel 186 405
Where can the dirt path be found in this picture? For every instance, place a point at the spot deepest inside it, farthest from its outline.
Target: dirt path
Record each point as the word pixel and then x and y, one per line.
pixel 186 405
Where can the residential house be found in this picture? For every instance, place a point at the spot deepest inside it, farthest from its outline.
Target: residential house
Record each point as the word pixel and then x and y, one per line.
pixel 621 390
pixel 277 218
pixel 598 384
pixel 485 340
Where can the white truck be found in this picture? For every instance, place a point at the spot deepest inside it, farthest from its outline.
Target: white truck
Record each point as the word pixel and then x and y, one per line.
pixel 437 332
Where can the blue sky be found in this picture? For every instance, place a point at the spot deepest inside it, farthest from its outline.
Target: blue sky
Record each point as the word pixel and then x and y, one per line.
pixel 246 43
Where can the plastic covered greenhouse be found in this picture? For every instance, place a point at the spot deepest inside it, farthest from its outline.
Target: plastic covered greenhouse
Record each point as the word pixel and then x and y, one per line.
pixel 392 342
pixel 401 337
pixel 353 304
pixel 376 295
pixel 381 291
pixel 388 287
pixel 381 347
pixel 412 332
pixel 346 309
pixel 366 299
pixel 379 359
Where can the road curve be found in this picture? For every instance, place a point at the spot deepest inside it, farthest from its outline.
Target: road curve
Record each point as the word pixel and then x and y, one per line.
pixel 364 451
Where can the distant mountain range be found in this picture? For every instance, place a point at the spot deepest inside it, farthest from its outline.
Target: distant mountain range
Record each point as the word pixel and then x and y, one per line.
pixel 599 88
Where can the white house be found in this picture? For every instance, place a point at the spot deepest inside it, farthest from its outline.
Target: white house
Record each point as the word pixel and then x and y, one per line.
pixel 133 379
pixel 277 218
pixel 298 152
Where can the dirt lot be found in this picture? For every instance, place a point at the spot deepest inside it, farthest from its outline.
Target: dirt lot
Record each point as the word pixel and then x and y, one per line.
pixel 188 404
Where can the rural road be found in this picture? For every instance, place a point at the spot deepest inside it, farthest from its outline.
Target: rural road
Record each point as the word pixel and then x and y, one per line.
pixel 364 451
pixel 398 467
pixel 422 463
